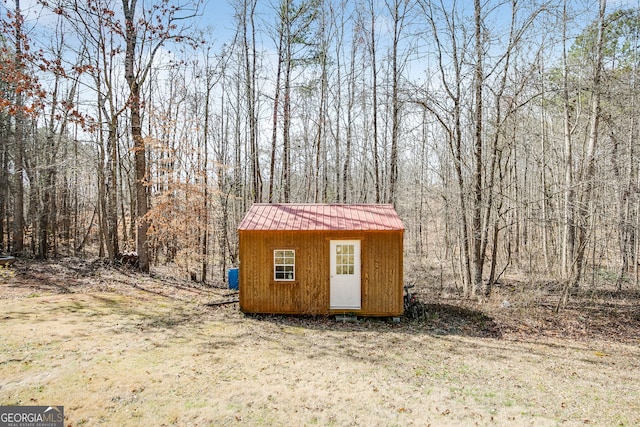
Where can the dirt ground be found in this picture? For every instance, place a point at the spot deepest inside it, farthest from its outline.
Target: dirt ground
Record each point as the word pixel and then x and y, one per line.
pixel 116 348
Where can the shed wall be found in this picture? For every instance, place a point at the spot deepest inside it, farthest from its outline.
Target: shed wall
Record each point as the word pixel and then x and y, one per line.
pixel 381 272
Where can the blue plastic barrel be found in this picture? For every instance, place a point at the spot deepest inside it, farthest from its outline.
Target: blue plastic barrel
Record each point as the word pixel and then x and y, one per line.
pixel 233 278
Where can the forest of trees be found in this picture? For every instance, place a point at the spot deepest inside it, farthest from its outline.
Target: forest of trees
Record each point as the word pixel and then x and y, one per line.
pixel 504 132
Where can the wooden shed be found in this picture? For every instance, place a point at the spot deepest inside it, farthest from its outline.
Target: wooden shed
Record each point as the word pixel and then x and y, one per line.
pixel 321 259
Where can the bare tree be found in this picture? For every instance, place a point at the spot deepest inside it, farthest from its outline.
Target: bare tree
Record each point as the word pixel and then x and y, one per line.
pixel 588 174
pixel 450 116
pixel 374 101
pixel 399 10
pixel 245 13
pixel 158 24
pixel 56 121
pixel 19 135
pixel 569 194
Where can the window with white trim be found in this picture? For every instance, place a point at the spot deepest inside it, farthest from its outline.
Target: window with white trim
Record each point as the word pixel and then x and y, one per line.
pixel 284 264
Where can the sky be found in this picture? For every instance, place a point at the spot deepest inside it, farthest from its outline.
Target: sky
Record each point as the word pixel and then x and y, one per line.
pixel 217 18
pixel 217 15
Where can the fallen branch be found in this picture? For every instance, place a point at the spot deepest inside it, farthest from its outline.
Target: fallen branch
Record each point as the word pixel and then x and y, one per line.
pixel 14 360
pixel 214 304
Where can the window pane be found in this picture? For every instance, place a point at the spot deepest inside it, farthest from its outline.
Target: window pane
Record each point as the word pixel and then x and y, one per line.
pixel 284 261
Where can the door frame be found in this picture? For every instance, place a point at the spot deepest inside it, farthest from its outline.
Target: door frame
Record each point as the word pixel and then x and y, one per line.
pixel 355 292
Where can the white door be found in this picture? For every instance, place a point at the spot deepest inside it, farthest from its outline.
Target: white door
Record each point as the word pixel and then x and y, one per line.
pixel 345 274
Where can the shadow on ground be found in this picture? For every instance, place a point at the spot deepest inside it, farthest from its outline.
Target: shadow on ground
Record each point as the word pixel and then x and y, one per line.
pixel 439 319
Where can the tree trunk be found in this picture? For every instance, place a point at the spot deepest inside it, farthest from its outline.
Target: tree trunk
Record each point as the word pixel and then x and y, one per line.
pixel 4 177
pixel 395 102
pixel 568 245
pixel 590 153
pixel 250 94
pixel 19 135
pixel 276 106
pixel 205 207
pixel 112 190
pixel 351 84
pixel 286 115
pixel 320 173
pixel 139 149
pixel 592 142
pixel 374 101
pixel 476 225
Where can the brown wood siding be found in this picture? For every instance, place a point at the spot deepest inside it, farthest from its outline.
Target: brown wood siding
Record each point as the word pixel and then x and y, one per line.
pixel 381 274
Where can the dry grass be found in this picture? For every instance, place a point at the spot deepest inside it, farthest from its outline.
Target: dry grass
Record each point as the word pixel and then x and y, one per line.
pixel 117 348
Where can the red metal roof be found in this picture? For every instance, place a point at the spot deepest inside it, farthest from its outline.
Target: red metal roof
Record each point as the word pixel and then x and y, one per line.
pixel 319 217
